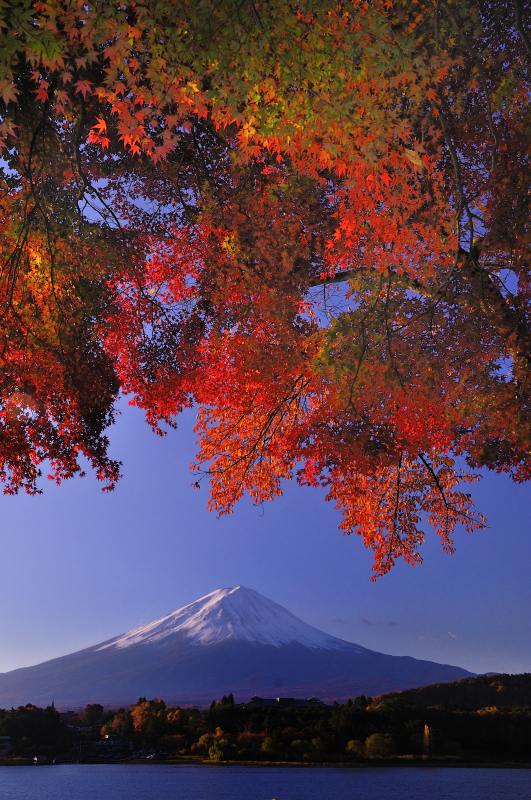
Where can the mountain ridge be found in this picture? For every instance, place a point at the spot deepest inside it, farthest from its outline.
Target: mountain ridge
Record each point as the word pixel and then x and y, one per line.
pixel 494 691
pixel 230 640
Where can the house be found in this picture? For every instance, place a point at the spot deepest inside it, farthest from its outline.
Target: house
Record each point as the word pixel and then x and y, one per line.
pixel 111 742
pixel 5 745
pixel 68 716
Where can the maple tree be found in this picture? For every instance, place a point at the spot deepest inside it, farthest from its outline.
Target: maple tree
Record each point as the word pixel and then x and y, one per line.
pixel 312 221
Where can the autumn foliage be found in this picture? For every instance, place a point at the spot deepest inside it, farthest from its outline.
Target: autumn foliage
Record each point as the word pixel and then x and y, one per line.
pixel 310 221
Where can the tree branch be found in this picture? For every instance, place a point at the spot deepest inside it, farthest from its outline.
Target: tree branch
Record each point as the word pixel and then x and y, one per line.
pixel 483 79
pixel 520 27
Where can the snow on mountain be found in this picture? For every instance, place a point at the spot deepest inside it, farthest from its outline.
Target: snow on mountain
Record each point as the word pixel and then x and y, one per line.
pixel 237 614
pixel 231 640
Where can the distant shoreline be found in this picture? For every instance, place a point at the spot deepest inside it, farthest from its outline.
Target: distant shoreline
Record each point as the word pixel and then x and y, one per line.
pixel 426 763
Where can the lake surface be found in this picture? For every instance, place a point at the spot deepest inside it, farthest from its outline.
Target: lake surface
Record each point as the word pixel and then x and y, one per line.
pixel 183 782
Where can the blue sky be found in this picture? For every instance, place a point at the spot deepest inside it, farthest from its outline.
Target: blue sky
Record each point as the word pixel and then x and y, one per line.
pixel 79 566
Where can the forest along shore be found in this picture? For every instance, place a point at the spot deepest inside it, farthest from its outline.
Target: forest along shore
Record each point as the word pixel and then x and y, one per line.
pixel 453 724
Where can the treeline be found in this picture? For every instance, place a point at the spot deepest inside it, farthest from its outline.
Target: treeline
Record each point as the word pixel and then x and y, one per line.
pixel 472 694
pixel 358 730
pixel 35 730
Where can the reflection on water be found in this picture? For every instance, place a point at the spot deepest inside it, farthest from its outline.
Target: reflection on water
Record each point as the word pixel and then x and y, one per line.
pixel 176 782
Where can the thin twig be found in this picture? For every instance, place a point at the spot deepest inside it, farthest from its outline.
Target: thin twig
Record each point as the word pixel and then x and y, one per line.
pixel 520 27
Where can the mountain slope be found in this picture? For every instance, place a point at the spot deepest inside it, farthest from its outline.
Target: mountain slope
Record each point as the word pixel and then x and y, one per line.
pixel 238 614
pixel 498 690
pixel 231 640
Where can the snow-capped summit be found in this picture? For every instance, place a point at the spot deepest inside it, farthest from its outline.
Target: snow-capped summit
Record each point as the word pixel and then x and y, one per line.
pixel 237 614
pixel 232 640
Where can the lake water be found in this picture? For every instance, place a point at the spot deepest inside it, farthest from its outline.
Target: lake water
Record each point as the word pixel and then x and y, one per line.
pixel 183 782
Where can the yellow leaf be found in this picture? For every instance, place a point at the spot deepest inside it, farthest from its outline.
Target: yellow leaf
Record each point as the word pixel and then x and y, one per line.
pixel 415 159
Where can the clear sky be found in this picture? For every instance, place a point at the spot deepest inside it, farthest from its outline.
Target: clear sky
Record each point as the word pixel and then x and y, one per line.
pixel 79 566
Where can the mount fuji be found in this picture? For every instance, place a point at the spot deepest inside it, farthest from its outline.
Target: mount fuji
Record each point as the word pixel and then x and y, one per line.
pixel 231 640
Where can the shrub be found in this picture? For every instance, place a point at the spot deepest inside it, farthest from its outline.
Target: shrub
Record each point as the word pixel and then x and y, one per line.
pixel 379 746
pixel 270 746
pixel 221 750
pixel 356 748
pixel 205 742
pixel 319 746
pixel 252 741
pixel 300 747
